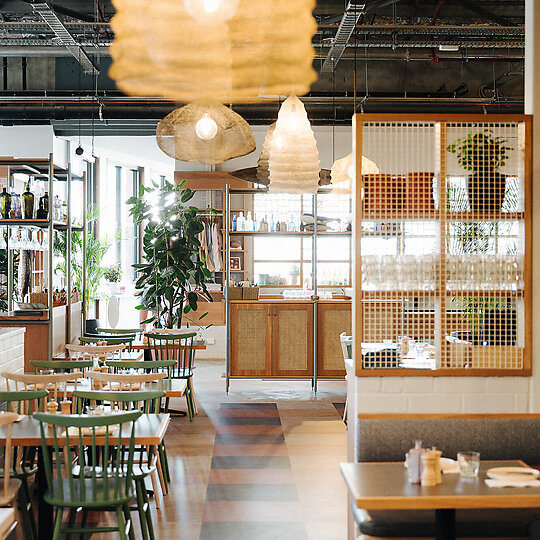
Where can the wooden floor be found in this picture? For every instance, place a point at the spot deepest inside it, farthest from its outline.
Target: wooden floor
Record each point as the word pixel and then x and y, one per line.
pixel 261 463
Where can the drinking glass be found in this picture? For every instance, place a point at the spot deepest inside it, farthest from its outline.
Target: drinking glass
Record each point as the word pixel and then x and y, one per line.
pixel 469 464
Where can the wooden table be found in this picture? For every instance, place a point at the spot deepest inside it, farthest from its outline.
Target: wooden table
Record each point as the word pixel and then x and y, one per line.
pixel 149 430
pixel 385 486
pixel 171 387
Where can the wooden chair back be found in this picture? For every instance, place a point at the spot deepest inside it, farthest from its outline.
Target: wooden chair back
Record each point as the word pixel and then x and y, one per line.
pixel 346 345
pixel 177 346
pixel 94 352
pixel 126 382
pixel 62 366
pixel 148 401
pixel 24 401
pixel 146 366
pixel 55 384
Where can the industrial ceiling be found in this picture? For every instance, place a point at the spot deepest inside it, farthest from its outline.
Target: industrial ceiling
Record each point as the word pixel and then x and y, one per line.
pixel 382 55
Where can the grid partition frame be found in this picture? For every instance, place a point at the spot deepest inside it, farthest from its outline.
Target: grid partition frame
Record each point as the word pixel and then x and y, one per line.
pixel 443 265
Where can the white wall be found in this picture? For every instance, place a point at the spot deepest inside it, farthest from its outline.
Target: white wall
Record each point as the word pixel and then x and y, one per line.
pixel 26 141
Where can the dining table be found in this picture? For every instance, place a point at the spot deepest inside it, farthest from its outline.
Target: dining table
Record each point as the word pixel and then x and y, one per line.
pixel 385 486
pixel 150 430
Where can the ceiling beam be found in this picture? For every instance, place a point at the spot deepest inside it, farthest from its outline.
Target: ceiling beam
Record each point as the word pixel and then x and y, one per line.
pixel 484 13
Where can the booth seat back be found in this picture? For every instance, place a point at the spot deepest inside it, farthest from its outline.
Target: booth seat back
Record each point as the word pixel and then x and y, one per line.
pixel 495 436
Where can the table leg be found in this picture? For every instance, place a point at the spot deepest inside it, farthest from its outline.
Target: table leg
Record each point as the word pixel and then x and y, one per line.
pixel 45 511
pixel 445 524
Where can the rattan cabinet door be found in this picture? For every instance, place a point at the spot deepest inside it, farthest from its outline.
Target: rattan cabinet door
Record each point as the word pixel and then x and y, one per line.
pixel 292 340
pixel 250 340
pixel 332 319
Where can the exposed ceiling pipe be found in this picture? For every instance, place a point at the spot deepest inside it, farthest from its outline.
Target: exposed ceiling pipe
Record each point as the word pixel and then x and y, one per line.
pixel 432 53
pixel 57 26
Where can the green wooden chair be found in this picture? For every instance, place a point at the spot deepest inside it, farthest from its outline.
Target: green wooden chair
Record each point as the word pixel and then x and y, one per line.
pixel 110 340
pixel 136 331
pixel 62 366
pixel 177 347
pixel 74 436
pixel 23 461
pixel 149 366
pixel 149 460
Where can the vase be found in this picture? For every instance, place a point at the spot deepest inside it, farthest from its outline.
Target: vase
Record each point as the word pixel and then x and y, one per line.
pixel 5 203
pixel 485 190
pixel 28 203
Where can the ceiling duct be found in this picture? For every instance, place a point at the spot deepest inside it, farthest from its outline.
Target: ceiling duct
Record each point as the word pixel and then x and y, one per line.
pixel 57 26
pixel 343 34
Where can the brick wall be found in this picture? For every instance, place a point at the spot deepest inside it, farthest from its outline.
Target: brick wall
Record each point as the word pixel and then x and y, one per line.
pixel 12 350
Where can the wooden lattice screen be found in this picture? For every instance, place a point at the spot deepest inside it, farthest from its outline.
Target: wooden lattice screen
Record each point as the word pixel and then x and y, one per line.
pixel 442 245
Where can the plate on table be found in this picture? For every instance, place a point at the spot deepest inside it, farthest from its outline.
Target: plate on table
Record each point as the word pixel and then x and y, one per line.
pixel 513 474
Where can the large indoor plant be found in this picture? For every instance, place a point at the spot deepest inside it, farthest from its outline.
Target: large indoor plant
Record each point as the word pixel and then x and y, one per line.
pixel 172 276
pixel 483 155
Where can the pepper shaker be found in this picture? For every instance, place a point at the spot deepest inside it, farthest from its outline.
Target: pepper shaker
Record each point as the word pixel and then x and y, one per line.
pixel 431 468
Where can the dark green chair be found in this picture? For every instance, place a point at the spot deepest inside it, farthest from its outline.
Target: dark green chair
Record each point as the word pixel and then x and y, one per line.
pixel 127 340
pixel 24 458
pixel 177 347
pixel 148 366
pixel 93 490
pixel 62 366
pixel 147 402
pixel 124 331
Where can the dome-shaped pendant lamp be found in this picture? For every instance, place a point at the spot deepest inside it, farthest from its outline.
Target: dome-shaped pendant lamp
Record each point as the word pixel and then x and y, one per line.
pixel 342 173
pixel 226 50
pixel 293 160
pixel 204 133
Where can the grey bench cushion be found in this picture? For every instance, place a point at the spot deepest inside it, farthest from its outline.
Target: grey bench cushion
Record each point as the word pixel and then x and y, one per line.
pixel 505 438
pixel 473 523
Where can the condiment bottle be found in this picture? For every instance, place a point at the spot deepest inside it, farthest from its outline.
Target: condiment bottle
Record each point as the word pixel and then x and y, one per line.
pixel 52 407
pixel 431 468
pixel 415 462
pixel 65 406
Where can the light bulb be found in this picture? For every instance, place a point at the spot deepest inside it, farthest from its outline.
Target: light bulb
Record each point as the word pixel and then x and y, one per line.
pixel 211 11
pixel 206 128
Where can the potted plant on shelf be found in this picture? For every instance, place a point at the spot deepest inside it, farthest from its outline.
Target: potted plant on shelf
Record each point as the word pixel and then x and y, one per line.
pixel 96 249
pixel 483 155
pixel 172 278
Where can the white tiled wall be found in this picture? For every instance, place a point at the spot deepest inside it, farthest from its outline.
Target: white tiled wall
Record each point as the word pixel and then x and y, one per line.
pixel 443 394
pixel 12 350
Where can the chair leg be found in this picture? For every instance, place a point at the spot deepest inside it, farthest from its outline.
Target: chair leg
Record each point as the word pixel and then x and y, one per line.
pixel 129 521
pixel 164 486
pixel 27 514
pixel 190 383
pixel 121 523
pixel 345 410
pixel 189 403
pixel 57 523
pixel 71 522
pixel 19 532
pixel 148 514
pixel 153 477
pixel 84 521
pixel 139 488
pixel 163 449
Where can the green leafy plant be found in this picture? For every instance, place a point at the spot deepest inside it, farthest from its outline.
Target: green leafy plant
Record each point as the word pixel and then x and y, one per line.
pixel 96 249
pixel 113 274
pixel 480 151
pixel 172 278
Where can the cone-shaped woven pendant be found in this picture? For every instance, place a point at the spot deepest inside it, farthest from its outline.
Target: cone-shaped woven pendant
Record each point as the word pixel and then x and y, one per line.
pixel 226 50
pixel 204 133
pixel 342 172
pixel 294 159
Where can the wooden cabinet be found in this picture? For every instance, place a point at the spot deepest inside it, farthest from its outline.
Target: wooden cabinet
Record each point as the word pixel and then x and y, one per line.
pixel 271 340
pixel 332 320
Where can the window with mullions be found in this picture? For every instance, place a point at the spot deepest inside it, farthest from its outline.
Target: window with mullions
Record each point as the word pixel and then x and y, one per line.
pixel 286 261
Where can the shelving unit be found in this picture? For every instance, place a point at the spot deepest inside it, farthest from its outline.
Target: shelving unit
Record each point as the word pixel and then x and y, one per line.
pixel 58 320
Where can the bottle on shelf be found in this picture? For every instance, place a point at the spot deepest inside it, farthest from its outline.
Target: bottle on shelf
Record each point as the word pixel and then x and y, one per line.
pixel 271 224
pixel 249 225
pixel 5 203
pixel 291 224
pixel 255 223
pixel 283 226
pixel 40 213
pixel 45 200
pixel 264 225
pixel 241 222
pixel 28 202
pixel 233 225
pixel 278 226
pixel 15 212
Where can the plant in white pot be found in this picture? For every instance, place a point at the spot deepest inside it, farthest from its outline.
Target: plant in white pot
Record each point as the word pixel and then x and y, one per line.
pixel 113 276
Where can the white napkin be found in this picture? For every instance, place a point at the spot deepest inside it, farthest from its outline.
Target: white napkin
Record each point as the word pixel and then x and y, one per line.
pixel 450 468
pixel 498 483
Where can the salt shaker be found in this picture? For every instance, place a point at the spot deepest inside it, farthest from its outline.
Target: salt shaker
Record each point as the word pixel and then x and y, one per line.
pixel 431 468
pixel 52 407
pixel 65 406
pixel 414 462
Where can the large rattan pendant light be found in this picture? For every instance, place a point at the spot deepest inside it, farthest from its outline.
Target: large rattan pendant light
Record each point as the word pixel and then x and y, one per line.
pixel 293 160
pixel 204 133
pixel 227 50
pixel 342 173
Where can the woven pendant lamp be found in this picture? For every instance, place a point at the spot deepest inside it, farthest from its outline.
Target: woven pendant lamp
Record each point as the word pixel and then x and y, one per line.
pixel 204 133
pixel 342 173
pixel 294 159
pixel 226 50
